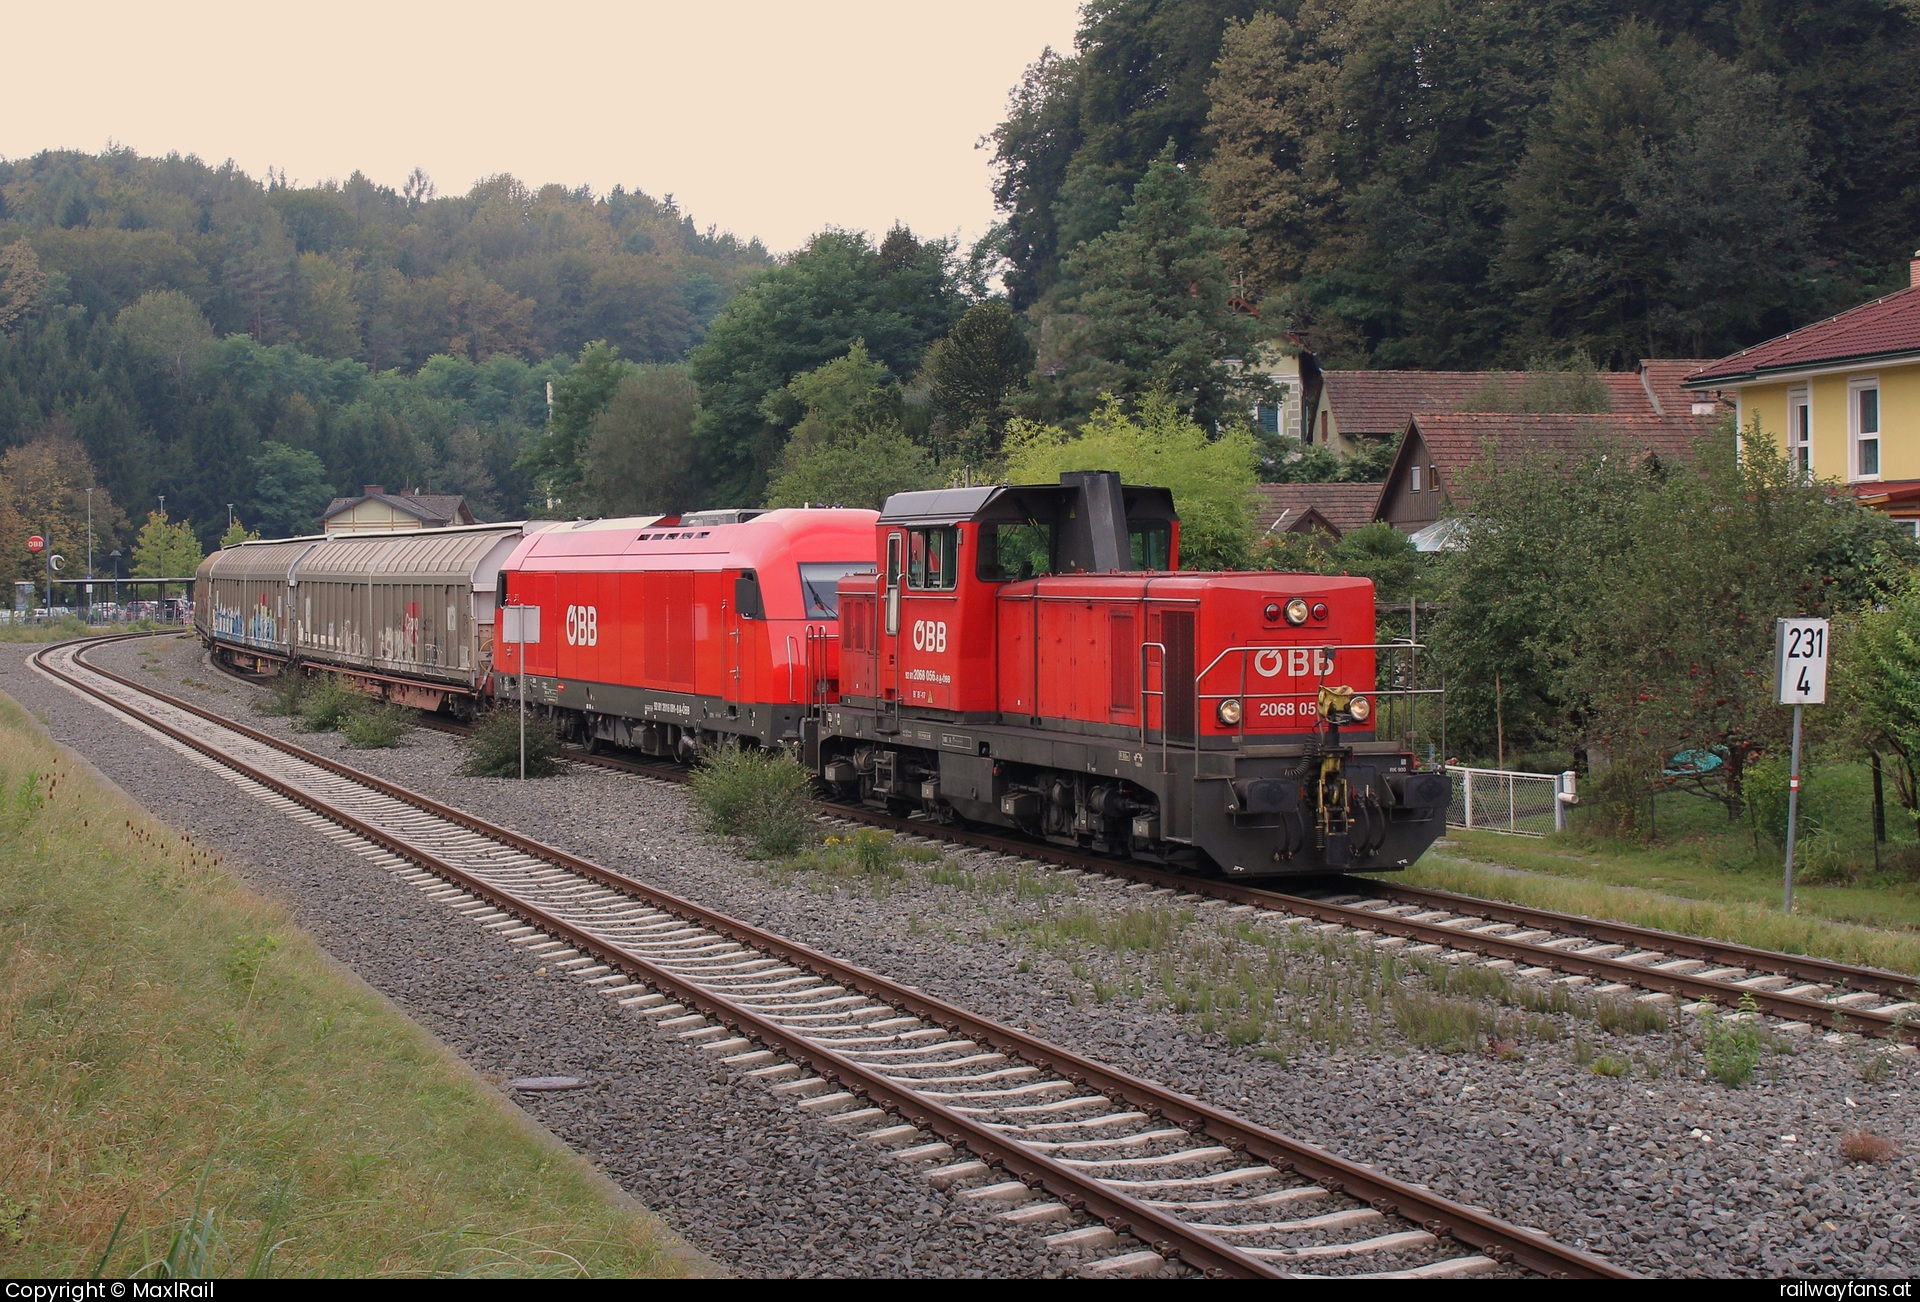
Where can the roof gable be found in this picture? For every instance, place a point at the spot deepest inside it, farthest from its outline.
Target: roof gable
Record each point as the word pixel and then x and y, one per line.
pixel 1886 327
pixel 1343 506
pixel 433 508
pixel 1454 442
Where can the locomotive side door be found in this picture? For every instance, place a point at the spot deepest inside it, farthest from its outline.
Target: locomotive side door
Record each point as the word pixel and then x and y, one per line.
pixel 888 678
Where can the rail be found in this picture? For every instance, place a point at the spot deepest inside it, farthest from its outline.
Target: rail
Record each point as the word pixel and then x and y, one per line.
pixel 1511 802
pixel 1152 1223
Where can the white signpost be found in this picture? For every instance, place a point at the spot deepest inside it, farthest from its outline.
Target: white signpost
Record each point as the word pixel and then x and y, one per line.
pixel 1800 649
pixel 520 626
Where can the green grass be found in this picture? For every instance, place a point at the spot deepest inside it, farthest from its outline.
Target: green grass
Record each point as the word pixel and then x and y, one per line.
pixel 189 1086
pixel 1680 887
pixel 58 631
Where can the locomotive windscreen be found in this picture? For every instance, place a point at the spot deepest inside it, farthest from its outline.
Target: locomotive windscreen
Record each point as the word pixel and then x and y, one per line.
pixel 820 585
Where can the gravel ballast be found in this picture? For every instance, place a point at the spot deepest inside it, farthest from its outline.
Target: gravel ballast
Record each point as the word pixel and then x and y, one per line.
pixel 749 1179
pixel 1658 1169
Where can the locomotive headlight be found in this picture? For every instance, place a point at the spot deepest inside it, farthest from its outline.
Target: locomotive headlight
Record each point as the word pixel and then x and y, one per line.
pixel 1297 611
pixel 1359 708
pixel 1231 713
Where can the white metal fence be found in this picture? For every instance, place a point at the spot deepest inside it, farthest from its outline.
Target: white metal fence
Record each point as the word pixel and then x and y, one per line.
pixel 1501 800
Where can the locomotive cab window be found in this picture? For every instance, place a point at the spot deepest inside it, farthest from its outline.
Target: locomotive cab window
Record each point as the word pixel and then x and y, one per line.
pixel 1009 552
pixel 820 585
pixel 1151 546
pixel 933 558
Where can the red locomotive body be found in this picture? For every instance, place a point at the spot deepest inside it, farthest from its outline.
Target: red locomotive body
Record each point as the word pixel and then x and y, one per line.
pixel 658 631
pixel 1025 657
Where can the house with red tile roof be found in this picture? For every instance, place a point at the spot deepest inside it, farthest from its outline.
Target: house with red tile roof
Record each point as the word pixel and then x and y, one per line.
pixel 1432 478
pixel 1350 408
pixel 1330 509
pixel 1840 397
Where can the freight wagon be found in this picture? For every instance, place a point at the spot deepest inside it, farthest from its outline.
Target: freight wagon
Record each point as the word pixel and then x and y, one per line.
pixel 410 614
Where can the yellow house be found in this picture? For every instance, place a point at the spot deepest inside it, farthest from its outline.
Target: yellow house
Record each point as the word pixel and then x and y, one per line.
pixel 1840 397
pixel 378 511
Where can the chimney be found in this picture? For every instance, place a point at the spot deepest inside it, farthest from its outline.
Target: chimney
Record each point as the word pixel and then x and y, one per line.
pixel 372 490
pixel 1913 269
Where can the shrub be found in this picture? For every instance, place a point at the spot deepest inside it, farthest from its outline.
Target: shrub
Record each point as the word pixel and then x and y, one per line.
pixel 764 797
pixel 328 703
pixel 381 726
pixel 493 751
pixel 1733 1046
pixel 1764 787
pixel 285 692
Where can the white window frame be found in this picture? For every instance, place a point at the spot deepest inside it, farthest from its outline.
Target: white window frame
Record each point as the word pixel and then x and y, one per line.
pixel 1855 437
pixel 1413 485
pixel 1801 397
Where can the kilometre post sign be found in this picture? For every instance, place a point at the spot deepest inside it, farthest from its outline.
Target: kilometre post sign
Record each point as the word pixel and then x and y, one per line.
pixel 1800 661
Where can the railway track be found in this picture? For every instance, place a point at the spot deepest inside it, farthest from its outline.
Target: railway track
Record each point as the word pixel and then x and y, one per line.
pixel 1606 957
pixel 1129 1174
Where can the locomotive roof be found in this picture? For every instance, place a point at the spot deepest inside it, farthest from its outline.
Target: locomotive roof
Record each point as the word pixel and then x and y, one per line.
pixel 697 541
pixel 1013 503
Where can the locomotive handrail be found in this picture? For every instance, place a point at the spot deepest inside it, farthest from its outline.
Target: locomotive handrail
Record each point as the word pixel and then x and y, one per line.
pixel 1166 759
pixel 1201 696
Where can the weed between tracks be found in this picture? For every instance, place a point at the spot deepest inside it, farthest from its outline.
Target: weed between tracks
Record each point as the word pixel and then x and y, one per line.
pixel 1280 990
pixel 189 1088
pixel 327 703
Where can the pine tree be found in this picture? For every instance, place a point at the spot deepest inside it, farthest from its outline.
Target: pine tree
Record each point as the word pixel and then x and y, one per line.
pixel 1144 308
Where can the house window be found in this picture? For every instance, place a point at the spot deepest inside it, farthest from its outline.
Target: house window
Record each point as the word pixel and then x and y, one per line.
pixel 1863 402
pixel 1415 484
pixel 1800 431
pixel 1267 418
pixel 1433 478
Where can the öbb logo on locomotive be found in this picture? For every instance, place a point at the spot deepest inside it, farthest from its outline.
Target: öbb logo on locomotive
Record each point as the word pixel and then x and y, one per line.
pixel 930 635
pixel 583 626
pixel 1109 700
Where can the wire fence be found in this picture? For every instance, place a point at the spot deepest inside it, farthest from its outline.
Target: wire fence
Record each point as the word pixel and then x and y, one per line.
pixel 1502 800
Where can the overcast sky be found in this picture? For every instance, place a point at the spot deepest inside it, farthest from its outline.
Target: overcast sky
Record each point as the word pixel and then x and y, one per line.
pixel 763 118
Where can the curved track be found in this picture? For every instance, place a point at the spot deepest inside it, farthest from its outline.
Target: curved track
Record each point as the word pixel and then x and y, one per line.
pixel 1054 1138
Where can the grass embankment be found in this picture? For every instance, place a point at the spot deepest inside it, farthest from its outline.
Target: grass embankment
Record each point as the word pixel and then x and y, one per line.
pixel 1681 887
pixel 188 1086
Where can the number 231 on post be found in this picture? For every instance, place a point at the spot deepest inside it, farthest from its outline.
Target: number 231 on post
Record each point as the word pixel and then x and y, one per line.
pixel 1800 661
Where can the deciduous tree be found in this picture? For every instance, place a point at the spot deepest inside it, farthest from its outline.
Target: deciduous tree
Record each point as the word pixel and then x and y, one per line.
pixel 1211 478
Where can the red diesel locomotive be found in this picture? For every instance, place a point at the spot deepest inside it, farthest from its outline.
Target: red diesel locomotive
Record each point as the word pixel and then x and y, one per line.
pixel 666 634
pixel 1017 655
